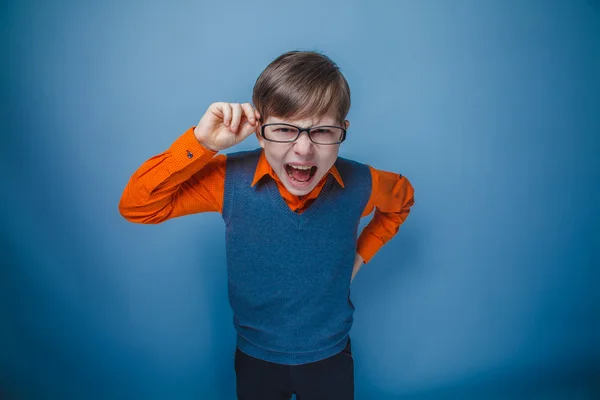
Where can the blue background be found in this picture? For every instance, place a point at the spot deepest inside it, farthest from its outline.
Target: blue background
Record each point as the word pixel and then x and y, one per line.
pixel 490 108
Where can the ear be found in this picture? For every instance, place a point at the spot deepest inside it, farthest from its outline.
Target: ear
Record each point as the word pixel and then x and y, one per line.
pixel 261 140
pixel 347 124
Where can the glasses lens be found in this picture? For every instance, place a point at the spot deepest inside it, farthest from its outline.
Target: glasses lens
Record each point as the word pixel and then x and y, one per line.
pixel 326 134
pixel 281 133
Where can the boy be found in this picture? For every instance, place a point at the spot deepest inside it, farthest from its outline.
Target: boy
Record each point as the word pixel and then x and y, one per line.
pixel 291 210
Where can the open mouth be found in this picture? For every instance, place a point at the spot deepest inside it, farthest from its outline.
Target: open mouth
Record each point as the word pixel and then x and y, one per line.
pixel 300 175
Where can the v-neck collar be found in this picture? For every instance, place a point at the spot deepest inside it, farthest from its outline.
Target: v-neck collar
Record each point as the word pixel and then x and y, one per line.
pixel 283 207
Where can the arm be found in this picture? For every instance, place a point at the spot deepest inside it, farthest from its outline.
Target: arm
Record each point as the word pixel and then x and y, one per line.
pixel 185 179
pixel 392 196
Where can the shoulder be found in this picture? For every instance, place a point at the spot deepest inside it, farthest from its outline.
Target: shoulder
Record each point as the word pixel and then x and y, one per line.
pixel 241 165
pixel 346 165
pixel 353 172
pixel 243 159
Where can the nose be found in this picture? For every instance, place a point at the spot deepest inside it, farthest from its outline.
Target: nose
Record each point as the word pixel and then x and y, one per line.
pixel 303 146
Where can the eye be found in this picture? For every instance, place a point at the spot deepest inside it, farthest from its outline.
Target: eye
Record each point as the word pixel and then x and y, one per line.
pixel 322 132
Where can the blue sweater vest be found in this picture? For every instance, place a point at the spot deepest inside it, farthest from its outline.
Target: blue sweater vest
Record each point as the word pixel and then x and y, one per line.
pixel 289 274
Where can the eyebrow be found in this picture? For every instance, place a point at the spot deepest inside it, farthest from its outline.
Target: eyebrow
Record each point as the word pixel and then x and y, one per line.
pixel 302 126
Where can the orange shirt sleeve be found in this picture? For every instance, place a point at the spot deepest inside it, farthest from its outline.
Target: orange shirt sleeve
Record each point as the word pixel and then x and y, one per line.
pixel 185 179
pixel 392 195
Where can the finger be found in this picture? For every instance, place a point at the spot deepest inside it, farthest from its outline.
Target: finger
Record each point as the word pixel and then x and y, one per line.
pixel 247 130
pixel 235 117
pixel 225 110
pixel 249 111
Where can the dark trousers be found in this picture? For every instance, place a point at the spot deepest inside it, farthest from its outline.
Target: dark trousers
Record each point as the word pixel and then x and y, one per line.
pixel 328 379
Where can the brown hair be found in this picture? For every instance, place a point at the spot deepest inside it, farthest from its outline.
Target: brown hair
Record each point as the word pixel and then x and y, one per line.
pixel 300 84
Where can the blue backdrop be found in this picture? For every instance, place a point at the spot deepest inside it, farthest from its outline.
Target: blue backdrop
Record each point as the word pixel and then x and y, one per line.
pixel 490 108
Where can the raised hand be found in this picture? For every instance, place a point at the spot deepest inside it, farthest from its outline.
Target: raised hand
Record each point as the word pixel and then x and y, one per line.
pixel 226 124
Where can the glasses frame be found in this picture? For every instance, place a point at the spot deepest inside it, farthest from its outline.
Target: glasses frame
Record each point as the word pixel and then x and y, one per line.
pixel 300 130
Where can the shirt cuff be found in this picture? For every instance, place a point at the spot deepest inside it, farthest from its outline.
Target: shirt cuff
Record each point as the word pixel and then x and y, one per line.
pixel 187 149
pixel 367 246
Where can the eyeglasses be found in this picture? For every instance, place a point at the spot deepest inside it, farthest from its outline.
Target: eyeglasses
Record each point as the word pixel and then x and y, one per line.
pixel 286 133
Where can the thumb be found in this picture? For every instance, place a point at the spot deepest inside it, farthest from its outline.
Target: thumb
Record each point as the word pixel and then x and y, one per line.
pixel 246 130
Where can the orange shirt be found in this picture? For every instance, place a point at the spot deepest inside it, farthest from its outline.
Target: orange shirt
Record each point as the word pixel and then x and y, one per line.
pixel 189 178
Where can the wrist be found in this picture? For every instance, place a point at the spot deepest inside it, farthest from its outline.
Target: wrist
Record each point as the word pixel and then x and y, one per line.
pixel 203 143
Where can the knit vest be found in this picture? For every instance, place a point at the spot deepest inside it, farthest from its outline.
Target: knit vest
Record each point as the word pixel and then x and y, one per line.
pixel 289 274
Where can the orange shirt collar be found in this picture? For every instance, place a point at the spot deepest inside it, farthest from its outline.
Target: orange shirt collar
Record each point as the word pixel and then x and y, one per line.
pixel 264 168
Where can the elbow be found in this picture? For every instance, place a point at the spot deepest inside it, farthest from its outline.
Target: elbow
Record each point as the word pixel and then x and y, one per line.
pixel 138 218
pixel 123 209
pixel 140 211
pixel 127 212
pixel 126 209
pixel 126 206
pixel 133 214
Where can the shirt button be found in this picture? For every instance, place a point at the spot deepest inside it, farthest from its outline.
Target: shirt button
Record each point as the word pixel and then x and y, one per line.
pixel 189 154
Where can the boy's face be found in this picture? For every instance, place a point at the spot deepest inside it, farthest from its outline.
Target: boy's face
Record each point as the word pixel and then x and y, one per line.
pixel 283 156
